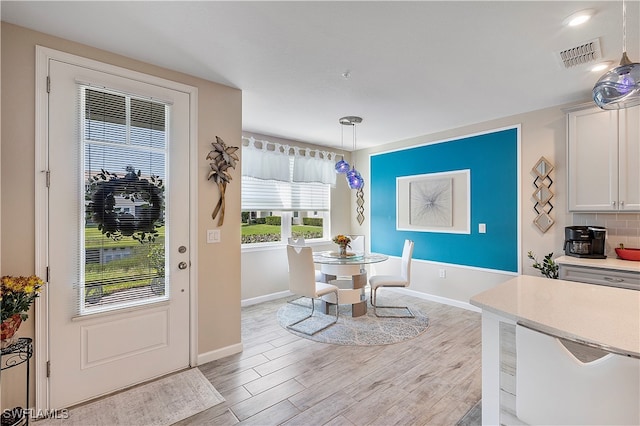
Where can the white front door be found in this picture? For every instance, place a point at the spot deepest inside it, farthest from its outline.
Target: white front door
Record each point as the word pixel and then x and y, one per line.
pixel 118 240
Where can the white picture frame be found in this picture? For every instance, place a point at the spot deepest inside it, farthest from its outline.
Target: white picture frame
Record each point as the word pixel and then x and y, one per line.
pixel 434 202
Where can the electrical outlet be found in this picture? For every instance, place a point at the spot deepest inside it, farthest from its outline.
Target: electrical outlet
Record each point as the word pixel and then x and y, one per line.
pixel 442 273
pixel 213 236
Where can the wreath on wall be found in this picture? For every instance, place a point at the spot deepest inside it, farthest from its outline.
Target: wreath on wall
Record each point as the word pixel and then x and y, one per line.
pixel 114 223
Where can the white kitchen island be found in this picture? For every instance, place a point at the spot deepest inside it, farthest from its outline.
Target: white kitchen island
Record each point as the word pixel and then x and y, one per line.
pixel 602 317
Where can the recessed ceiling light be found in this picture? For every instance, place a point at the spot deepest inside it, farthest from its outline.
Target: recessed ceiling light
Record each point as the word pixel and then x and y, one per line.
pixel 601 66
pixel 578 18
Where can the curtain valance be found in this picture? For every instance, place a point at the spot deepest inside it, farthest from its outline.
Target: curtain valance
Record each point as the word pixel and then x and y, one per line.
pixel 272 161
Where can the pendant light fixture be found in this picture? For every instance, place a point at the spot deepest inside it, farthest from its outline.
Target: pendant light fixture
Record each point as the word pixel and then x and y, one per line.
pixel 620 87
pixel 354 179
pixel 342 166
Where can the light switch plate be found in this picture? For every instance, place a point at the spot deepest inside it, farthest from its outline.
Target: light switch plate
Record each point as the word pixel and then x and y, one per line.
pixel 482 228
pixel 213 236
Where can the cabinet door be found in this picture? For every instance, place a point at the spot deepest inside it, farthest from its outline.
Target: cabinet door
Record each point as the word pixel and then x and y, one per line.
pixel 593 160
pixel 629 171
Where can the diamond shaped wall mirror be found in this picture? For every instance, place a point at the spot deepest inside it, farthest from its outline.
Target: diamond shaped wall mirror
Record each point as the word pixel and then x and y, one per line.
pixel 543 195
pixel 542 168
pixel 543 222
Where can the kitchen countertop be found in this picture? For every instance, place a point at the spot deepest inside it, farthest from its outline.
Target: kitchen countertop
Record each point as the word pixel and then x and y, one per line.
pixel 608 263
pixel 599 316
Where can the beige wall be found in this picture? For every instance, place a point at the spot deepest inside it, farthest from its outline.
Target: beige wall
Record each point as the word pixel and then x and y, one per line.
pixel 219 113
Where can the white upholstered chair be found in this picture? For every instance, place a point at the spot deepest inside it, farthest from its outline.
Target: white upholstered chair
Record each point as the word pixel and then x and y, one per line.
pixel 357 244
pixel 400 280
pixel 300 242
pixel 302 283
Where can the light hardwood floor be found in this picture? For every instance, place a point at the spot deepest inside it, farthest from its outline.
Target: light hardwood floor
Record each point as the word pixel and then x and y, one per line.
pixel 280 378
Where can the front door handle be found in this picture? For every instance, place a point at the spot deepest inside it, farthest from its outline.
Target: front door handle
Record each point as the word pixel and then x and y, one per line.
pixel 182 265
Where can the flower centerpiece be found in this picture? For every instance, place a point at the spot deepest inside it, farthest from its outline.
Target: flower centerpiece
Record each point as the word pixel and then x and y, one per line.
pixel 343 242
pixel 16 296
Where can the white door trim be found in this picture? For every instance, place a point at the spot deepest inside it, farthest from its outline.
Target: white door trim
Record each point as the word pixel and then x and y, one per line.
pixel 41 343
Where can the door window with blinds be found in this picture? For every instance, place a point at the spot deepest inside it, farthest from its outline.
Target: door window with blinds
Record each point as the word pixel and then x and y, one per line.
pixel 124 142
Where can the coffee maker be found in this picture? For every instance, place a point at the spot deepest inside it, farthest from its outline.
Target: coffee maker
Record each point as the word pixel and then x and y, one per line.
pixel 585 241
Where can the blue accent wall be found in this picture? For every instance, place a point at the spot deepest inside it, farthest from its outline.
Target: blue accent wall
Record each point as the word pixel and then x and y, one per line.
pixel 493 161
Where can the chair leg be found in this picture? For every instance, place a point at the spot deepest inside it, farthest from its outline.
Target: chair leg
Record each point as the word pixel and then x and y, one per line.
pixel 376 306
pixel 313 304
pixel 295 300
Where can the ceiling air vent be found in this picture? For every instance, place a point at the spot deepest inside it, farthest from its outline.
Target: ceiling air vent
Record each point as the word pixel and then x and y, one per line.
pixel 582 54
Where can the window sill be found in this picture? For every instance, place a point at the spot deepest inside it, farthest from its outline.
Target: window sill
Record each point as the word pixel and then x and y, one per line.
pixel 247 248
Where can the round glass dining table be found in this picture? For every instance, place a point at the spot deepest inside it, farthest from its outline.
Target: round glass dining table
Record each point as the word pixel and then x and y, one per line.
pixel 348 273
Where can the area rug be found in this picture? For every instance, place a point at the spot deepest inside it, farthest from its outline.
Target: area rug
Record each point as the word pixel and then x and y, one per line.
pixel 473 417
pixel 161 402
pixel 365 330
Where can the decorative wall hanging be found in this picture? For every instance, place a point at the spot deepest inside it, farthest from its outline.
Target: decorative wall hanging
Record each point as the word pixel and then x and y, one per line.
pixel 224 157
pixel 113 221
pixel 543 194
pixel 434 202
pixel 360 203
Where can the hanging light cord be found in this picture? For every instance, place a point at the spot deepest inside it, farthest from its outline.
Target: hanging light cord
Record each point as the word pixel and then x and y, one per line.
pixel 353 163
pixel 624 26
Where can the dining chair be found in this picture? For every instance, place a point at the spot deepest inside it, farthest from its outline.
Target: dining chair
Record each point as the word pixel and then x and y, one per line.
pixel 302 282
pixel 300 242
pixel 357 244
pixel 403 279
pixel 358 247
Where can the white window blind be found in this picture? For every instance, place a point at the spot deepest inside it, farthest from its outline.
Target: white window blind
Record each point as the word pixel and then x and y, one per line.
pixel 261 194
pixel 120 133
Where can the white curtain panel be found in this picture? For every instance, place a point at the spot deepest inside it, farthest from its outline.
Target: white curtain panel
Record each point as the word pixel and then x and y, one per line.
pixel 264 163
pixel 314 166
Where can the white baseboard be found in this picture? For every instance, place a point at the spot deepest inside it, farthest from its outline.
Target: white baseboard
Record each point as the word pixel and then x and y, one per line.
pixel 438 299
pixel 219 353
pixel 425 296
pixel 265 298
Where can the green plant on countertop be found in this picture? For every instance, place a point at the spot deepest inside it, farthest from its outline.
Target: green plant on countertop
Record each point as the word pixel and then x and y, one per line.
pixel 548 267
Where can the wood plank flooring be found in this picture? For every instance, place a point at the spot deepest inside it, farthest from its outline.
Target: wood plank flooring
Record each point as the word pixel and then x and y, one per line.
pixel 280 378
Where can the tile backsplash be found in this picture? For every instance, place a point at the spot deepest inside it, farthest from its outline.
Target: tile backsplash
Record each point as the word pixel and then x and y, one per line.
pixel 621 228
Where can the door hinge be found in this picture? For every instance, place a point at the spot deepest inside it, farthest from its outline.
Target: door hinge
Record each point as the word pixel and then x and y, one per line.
pixel 47 275
pixel 48 177
pixel 48 84
pixel 48 368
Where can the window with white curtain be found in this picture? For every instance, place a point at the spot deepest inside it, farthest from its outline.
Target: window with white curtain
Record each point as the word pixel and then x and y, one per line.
pixel 286 191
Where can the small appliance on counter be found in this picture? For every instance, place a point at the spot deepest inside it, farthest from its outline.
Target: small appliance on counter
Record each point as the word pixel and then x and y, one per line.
pixel 585 241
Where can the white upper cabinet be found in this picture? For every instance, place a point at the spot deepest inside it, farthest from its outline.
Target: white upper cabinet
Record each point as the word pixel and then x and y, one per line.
pixel 629 159
pixel 604 159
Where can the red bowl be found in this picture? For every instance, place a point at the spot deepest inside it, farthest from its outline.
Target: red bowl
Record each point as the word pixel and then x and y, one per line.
pixel 628 253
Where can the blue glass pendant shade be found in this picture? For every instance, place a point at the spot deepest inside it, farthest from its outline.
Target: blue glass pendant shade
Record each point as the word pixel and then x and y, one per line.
pixel 354 179
pixel 620 87
pixel 342 166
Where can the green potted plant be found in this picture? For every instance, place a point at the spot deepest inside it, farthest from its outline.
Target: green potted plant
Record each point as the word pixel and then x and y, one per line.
pixel 548 267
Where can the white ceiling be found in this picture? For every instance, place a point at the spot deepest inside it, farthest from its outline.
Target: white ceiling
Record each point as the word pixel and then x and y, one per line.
pixel 416 67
